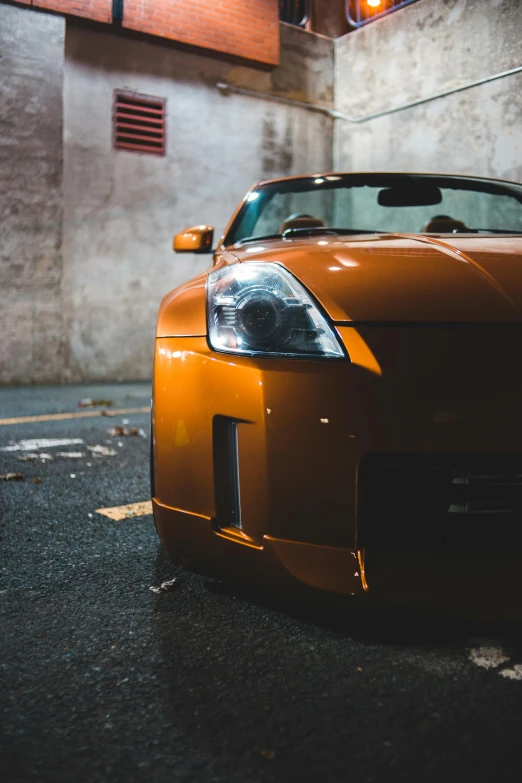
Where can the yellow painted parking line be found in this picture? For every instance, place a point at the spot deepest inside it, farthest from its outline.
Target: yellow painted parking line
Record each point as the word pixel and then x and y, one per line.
pixel 124 512
pixel 76 415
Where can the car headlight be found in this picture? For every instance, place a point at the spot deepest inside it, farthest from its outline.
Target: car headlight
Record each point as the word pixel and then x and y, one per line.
pixel 262 309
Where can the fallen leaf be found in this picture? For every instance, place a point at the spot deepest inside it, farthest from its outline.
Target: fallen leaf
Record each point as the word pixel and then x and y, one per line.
pixel 87 402
pixel 29 457
pixel 102 451
pixel 118 430
pixel 117 513
pixel 268 754
pixel 12 477
pixel 37 480
pixel 166 587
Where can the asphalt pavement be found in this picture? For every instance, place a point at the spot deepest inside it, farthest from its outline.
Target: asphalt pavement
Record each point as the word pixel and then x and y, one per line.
pixel 104 679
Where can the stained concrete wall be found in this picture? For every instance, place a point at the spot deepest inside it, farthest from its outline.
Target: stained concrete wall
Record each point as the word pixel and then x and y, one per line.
pixel 420 50
pixel 86 231
pixel 122 208
pixel 31 77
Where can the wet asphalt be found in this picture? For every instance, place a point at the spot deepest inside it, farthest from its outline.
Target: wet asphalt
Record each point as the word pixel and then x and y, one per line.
pixel 105 680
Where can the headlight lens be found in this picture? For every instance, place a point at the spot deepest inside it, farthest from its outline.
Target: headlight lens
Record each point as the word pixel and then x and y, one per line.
pixel 262 309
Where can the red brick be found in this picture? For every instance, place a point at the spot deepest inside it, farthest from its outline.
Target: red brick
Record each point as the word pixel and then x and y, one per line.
pixel 99 10
pixel 252 34
pixel 249 30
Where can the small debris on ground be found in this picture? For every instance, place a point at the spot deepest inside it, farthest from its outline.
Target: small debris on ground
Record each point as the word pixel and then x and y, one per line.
pixel 166 587
pixel 118 430
pixel 107 413
pixel 512 674
pixel 102 451
pixel 117 513
pixel 87 402
pixel 268 754
pixel 37 480
pixel 70 454
pixel 12 477
pixel 41 455
pixel 488 656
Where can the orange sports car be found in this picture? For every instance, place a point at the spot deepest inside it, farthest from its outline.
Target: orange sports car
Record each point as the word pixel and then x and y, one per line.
pixel 338 400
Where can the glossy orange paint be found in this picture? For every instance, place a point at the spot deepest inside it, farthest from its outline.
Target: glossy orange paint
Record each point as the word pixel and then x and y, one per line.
pixel 432 328
pixel 197 239
pixel 453 279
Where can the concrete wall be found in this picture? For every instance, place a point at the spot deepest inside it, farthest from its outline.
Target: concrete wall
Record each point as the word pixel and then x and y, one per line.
pixel 31 77
pixel 422 49
pixel 122 208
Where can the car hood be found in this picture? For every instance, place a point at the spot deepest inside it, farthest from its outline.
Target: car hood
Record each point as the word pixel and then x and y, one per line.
pixel 405 278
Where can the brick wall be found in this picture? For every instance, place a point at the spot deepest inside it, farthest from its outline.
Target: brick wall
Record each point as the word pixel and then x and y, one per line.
pixel 243 29
pixel 235 27
pixel 98 10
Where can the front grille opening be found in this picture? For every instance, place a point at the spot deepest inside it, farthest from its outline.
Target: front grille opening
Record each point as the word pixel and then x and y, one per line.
pixel 440 503
pixel 139 123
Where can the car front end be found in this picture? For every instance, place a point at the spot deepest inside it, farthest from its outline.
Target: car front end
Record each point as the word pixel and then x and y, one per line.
pixel 344 414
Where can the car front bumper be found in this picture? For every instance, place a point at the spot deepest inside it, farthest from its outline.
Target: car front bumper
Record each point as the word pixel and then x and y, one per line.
pixel 258 461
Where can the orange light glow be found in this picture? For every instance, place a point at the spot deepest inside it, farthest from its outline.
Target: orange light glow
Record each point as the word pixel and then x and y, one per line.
pixel 374 3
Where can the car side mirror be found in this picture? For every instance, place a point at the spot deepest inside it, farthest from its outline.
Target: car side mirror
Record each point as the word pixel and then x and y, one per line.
pixel 197 239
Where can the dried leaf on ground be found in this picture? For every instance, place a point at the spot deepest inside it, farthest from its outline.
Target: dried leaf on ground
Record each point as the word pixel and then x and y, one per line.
pixel 12 477
pixel 166 587
pixel 118 430
pixel 43 456
pixel 117 513
pixel 37 480
pixel 87 402
pixel 102 451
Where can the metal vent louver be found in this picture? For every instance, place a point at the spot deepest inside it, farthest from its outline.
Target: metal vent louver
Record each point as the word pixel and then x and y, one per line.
pixel 139 123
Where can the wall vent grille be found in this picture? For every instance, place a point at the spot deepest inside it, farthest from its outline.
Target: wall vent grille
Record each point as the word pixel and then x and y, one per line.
pixel 139 123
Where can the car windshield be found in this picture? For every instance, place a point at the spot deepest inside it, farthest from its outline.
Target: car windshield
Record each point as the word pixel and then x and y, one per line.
pixel 377 203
